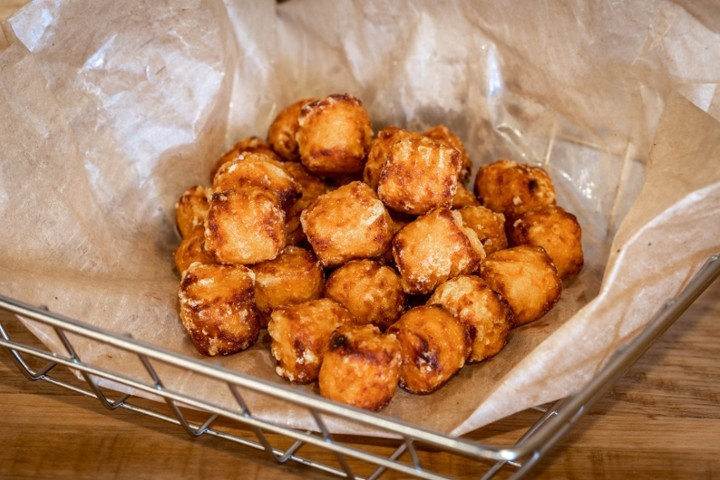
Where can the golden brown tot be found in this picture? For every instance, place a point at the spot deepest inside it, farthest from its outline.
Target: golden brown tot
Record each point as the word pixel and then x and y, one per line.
pixel 361 367
pixel 191 210
pixel 300 336
pixel 419 174
pixel 434 248
pixel 191 250
pixel 464 198
pixel 347 223
pixel 526 277
pixel 512 188
pixel 372 292
pixel 434 346
pixel 258 170
pixel 488 225
pixel 311 187
pixel 443 135
pixel 378 154
pixel 486 316
pixel 245 226
pixel 334 135
pixel 283 129
pixel 557 231
pixel 247 145
pixel 217 308
pixel 295 276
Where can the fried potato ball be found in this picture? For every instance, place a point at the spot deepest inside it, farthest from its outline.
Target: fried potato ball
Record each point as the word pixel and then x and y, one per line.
pixel 247 145
pixel 526 277
pixel 464 198
pixel 419 174
pixel 361 367
pixel 347 223
pixel 293 228
pixel 245 226
pixel 486 315
pixel 191 250
pixel 372 292
pixel 311 187
pixel 557 231
pixel 300 336
pixel 217 308
pixel 434 346
pixel 334 135
pixel 398 221
pixel 434 248
pixel 283 129
pixel 258 170
pixel 488 225
pixel 378 154
pixel 191 210
pixel 295 276
pixel 443 135
pixel 426 273
pixel 512 188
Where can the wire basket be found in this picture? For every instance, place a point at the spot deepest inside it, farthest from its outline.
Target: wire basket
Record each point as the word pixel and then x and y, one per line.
pixel 353 458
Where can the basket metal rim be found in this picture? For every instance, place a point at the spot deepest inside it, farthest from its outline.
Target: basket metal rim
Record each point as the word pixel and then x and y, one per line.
pixel 524 453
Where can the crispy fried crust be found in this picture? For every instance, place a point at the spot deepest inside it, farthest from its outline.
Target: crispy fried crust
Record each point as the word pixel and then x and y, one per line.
pixel 284 127
pixel 295 276
pixel 484 313
pixel 361 367
pixel 421 279
pixel 300 336
pixel 434 347
pixel 526 277
pixel 245 226
pixel 371 291
pixel 311 187
pixel 464 198
pixel 512 188
pixel 334 135
pixel 191 250
pixel 347 223
pixel 488 225
pixel 443 135
pixel 557 231
pixel 434 248
pixel 419 174
pixel 379 152
pixel 217 308
pixel 258 170
pixel 191 210
pixel 247 145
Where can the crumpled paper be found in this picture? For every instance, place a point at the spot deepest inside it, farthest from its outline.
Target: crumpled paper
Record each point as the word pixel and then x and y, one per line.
pixel 108 114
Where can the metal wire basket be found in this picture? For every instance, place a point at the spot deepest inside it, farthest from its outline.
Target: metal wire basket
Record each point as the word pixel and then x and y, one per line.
pixel 353 459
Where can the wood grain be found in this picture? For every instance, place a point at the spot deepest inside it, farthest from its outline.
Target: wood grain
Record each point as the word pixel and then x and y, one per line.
pixel 8 7
pixel 662 420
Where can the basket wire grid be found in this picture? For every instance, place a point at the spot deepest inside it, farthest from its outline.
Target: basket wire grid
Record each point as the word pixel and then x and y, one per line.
pixel 199 417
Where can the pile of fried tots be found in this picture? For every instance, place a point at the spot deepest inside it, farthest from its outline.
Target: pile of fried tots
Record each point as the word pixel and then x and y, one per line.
pixel 365 256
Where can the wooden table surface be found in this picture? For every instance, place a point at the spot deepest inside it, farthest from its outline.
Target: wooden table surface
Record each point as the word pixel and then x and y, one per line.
pixel 662 420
